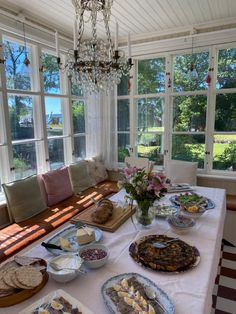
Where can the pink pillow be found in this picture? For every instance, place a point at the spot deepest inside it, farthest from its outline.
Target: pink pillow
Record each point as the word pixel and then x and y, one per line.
pixel 57 185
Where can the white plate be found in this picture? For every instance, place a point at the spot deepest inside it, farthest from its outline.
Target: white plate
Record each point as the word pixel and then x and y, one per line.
pixel 162 297
pixel 163 211
pixel 49 297
pixel 70 234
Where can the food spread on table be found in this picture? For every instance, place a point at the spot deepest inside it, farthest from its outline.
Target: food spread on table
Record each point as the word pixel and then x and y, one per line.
pixel 72 238
pixel 85 235
pixel 57 302
pixel 163 211
pixel 57 305
pixel 20 278
pixel 129 293
pixel 177 256
pixel 103 211
pixel 192 199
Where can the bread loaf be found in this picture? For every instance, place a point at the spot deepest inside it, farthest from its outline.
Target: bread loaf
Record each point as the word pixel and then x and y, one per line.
pixel 103 211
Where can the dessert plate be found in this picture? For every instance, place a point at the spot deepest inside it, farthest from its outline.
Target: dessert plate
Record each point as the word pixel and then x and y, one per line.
pixel 127 282
pixel 70 234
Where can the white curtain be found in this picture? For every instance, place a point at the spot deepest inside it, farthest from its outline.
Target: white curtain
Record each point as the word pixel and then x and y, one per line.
pixel 100 139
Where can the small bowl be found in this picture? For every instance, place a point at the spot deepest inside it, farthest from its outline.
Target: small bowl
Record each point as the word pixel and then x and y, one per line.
pixel 95 249
pixel 59 267
pixel 192 211
pixel 180 223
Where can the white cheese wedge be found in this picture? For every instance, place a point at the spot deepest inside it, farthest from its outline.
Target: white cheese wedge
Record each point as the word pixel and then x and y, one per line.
pixel 85 235
pixel 65 244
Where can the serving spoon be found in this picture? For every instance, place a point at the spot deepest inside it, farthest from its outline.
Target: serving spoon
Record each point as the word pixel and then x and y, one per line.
pixel 151 294
pixel 162 245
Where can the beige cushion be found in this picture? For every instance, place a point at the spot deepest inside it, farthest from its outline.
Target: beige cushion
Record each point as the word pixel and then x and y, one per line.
pixel 182 171
pixel 138 162
pixel 97 170
pixel 80 177
pixel 24 199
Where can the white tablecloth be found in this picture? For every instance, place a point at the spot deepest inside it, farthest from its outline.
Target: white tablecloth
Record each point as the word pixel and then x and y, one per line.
pixel 191 292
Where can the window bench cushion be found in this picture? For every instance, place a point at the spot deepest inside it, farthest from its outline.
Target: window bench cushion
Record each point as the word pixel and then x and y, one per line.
pixel 57 185
pixel 16 236
pixel 24 198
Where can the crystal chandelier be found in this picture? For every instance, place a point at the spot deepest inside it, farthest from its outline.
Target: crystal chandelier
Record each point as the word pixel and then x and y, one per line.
pixel 95 64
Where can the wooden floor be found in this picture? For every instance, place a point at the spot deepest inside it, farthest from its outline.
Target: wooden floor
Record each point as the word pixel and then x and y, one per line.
pixel 224 294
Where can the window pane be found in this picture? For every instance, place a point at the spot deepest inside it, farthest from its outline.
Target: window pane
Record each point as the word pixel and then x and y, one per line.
pixel 189 113
pixel 78 116
pixel 225 114
pixel 76 89
pixel 150 146
pixel 226 76
pixel 79 147
pixel 189 148
pixel 24 160
pixel 53 117
pixel 123 115
pixel 224 152
pixel 123 87
pixel 123 147
pixel 17 73
pixel 151 76
pixel 21 117
pixel 56 153
pixel 183 80
pixel 150 114
pixel 51 76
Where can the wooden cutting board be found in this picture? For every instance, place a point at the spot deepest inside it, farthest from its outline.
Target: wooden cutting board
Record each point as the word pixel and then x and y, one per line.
pixel 119 216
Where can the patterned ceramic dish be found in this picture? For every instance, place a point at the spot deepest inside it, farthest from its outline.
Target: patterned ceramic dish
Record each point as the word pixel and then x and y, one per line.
pixel 70 235
pixel 123 282
pixel 192 198
pixel 180 223
pixel 192 211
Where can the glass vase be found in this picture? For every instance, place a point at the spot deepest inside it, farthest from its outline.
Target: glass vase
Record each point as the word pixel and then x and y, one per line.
pixel 145 214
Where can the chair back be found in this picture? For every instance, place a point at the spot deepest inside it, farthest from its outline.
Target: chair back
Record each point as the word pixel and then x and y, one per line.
pixel 182 171
pixel 138 162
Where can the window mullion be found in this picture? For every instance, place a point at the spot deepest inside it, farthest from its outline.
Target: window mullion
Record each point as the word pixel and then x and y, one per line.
pixel 210 117
pixel 6 158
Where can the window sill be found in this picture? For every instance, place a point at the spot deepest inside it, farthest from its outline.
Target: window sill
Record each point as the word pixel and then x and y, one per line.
pixel 217 177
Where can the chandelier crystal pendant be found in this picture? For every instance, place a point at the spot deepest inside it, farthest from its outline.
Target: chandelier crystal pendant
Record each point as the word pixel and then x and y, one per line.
pixel 95 64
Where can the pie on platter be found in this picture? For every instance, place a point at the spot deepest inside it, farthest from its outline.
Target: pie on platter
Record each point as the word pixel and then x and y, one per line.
pixel 177 256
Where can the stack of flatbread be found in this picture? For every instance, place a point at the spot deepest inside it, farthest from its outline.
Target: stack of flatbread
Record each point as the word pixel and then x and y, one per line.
pixel 19 274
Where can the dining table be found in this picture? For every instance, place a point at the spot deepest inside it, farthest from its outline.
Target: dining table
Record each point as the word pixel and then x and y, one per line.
pixel 190 291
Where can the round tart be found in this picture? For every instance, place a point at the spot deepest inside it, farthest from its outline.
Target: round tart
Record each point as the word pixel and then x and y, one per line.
pixel 175 257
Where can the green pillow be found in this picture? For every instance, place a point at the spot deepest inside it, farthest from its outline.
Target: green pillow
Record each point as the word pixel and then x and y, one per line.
pixel 24 198
pixel 80 177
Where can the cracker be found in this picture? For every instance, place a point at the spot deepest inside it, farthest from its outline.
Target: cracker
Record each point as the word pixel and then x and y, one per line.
pixel 7 277
pixel 29 276
pixel 20 285
pixel 3 285
pixel 25 260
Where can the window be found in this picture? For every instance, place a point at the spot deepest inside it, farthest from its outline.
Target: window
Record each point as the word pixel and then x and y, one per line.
pixel 224 141
pixel 78 115
pixel 51 78
pixel 171 114
pixel 36 130
pixel 18 75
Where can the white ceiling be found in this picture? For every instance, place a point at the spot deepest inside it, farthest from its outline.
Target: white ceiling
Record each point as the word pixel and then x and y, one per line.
pixel 142 18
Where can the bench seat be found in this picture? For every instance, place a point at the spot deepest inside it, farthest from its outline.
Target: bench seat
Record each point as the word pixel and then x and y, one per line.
pixel 17 236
